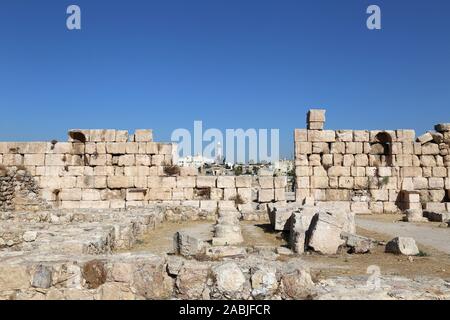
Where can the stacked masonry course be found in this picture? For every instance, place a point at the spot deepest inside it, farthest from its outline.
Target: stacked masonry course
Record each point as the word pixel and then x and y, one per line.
pixel 372 171
pixel 101 169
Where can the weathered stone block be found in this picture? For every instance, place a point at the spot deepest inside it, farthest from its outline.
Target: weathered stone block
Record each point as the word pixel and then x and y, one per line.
pixel 300 135
pixel 143 135
pixel 321 136
pixel 226 182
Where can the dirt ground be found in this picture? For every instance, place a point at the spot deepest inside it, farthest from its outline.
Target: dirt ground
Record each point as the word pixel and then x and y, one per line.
pixel 431 262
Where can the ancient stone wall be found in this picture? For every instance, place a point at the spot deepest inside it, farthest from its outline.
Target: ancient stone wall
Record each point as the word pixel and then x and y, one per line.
pixel 372 171
pixel 103 169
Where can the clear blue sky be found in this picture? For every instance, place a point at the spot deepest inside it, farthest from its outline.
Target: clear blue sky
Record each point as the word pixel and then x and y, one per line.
pixel 231 63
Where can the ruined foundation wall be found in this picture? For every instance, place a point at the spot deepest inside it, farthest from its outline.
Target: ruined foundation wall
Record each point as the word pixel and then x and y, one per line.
pixel 371 171
pixel 103 169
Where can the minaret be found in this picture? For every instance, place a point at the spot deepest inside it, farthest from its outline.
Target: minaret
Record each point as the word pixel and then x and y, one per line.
pixel 219 153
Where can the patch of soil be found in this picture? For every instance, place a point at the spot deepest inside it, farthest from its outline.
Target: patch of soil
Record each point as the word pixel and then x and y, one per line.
pixel 433 264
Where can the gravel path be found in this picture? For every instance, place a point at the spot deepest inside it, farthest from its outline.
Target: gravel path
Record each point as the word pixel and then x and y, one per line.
pixel 438 238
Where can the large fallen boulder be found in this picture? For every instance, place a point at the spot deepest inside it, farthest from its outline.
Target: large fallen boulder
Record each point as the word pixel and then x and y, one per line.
pixel 414 215
pixel 403 245
pixel 300 222
pixel 325 233
pixel 358 244
pixel 187 245
pixel 229 279
pixel 280 215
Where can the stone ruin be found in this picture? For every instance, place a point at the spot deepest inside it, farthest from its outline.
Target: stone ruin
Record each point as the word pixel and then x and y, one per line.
pixel 375 171
pixel 72 212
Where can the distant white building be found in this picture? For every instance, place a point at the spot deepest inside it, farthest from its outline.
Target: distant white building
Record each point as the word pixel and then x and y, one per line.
pixel 194 161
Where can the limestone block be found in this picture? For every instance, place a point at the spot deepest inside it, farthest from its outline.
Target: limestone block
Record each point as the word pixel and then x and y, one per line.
pixel 390 207
pixel 100 182
pixel 162 182
pixel 384 171
pixel 316 115
pixel 186 182
pixel 315 160
pixel 361 136
pixel 319 182
pixel 90 195
pixel 325 234
pixel 216 194
pixel 353 147
pixel 427 137
pixel 266 182
pixel 440 172
pixel 208 205
pixel 280 182
pixel 188 171
pixel 427 161
pixel 315 125
pixel 319 171
pixel 127 160
pixel 226 182
pixel 165 148
pixel 244 181
pixel 266 195
pixel 100 159
pixel 337 195
pixel 245 194
pixel 32 147
pixel 300 135
pixel 417 148
pixel 397 148
pixel 321 136
pixel 333 182
pixel 337 147
pixel 349 160
pixel 344 135
pixel 361 160
pixel 406 135
pixel 119 182
pixel 346 182
pixel 116 147
pixel 158 160
pixel 338 171
pixel 302 160
pixel 402 245
pixel 379 195
pixel 430 148
pixel 143 135
pixel 408 148
pixel 121 136
pixel 229 194
pixel 56 159
pixel 320 147
pixel 132 147
pixel 360 207
pixel 302 182
pixel 34 159
pixel 73 194
pixel 327 160
pixel 303 148
pixel 436 183
pixel 376 207
pixel 411 171
pixel 207 181
pixel 420 183
pixel 280 194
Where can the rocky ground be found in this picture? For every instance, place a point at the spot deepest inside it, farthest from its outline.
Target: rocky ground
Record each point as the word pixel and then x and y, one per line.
pixel 131 255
